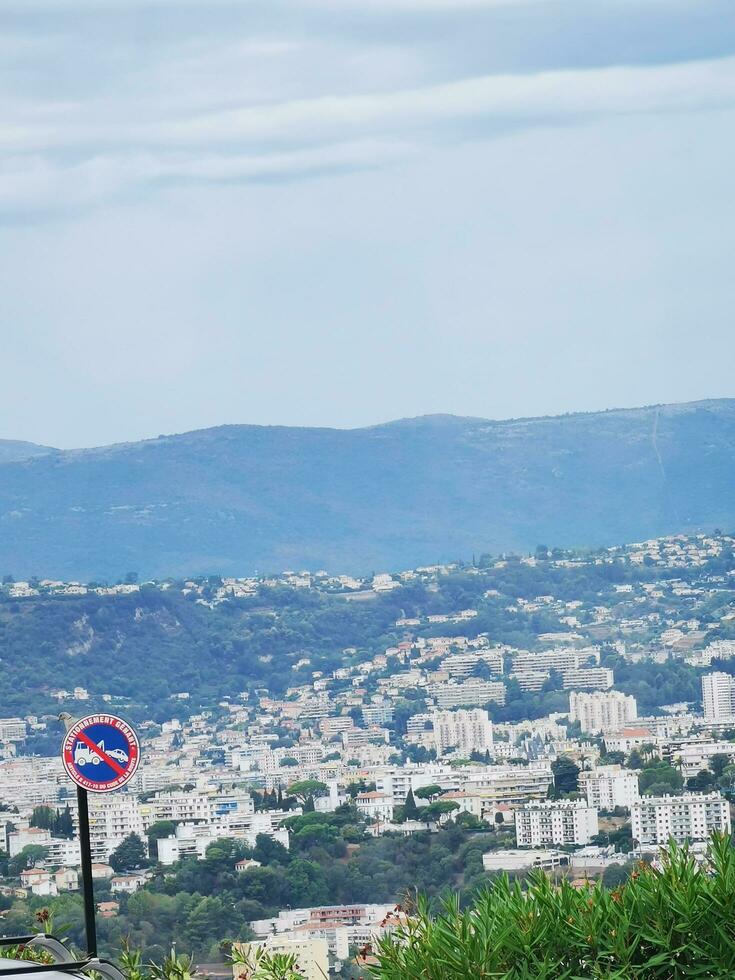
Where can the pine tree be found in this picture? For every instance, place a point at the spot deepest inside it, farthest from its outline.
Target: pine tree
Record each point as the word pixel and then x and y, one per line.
pixel 63 824
pixel 410 810
pixel 131 855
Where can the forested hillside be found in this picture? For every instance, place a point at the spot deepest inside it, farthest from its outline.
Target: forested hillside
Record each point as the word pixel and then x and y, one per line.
pixel 237 499
pixel 163 640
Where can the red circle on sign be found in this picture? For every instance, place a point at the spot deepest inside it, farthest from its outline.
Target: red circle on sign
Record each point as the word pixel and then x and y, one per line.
pixel 89 760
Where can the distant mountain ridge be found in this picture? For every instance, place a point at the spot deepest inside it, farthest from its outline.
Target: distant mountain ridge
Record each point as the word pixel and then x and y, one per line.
pixel 13 450
pixel 240 498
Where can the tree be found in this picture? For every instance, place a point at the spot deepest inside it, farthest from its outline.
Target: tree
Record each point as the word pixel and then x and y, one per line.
pixel 438 809
pixel 305 789
pixel 718 763
pixel 157 831
pixel 703 782
pixel 410 810
pixel 566 774
pixel 64 823
pixel 428 792
pixel 43 817
pixel 131 855
pixel 660 775
pixel 31 856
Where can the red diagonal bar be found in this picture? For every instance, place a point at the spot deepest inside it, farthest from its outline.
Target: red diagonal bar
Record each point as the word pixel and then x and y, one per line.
pixel 101 753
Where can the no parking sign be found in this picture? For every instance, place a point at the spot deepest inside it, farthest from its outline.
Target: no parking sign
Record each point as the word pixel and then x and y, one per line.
pixel 101 753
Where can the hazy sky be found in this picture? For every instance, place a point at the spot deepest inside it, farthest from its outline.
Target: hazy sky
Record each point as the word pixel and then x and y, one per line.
pixel 337 212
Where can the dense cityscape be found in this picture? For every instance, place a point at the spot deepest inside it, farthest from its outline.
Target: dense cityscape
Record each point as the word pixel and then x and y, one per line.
pixel 483 726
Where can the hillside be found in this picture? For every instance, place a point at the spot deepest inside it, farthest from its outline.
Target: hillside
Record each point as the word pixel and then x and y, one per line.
pixel 13 450
pixel 241 498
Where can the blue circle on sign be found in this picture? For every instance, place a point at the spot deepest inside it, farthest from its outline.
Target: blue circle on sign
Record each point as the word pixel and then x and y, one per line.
pixel 101 752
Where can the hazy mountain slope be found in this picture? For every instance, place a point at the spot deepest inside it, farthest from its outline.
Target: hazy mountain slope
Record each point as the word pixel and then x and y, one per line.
pixel 239 498
pixel 12 450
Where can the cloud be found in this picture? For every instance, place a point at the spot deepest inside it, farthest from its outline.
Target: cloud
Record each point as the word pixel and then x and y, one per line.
pixel 34 186
pixel 301 138
pixel 533 99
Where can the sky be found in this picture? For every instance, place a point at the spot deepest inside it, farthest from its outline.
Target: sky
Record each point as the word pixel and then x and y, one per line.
pixel 340 212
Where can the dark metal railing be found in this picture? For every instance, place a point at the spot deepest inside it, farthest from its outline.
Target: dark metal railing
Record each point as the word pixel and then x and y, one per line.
pixel 64 961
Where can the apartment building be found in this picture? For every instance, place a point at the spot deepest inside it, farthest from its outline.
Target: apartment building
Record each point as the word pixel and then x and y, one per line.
pixel 718 695
pixel 111 819
pixel 377 714
pixel 463 664
pixel 559 658
pixel 588 678
pixel 473 691
pixel 509 784
pixel 692 755
pixel 601 711
pixel 694 816
pixel 555 822
pixel 12 729
pixel 311 955
pixel 609 786
pixel 464 731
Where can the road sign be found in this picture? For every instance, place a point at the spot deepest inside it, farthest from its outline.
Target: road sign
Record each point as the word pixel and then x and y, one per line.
pixel 101 753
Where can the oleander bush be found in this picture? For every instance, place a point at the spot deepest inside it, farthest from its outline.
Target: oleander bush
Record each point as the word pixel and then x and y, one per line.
pixel 675 922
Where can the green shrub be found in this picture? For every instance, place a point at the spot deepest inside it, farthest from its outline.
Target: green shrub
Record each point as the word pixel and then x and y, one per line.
pixel 668 924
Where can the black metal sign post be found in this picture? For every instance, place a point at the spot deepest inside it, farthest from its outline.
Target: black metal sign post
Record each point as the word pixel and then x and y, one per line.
pixel 100 752
pixel 90 925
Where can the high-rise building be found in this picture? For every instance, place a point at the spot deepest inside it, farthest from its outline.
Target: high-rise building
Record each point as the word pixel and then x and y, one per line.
pixel 470 692
pixel 609 786
pixel 602 711
pixel 465 731
pixel 718 695
pixel 694 816
pixel 555 822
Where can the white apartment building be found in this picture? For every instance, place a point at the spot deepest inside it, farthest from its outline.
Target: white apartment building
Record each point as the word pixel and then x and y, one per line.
pixel 588 678
pixel 694 816
pixel 312 955
pixel 375 806
pixel 12 729
pixel 609 786
pixel 601 711
pixel 462 664
pixel 555 822
pixel 111 819
pixel 496 784
pixel 418 723
pixel 509 784
pixel 560 658
pixel 718 695
pixel 377 714
pixel 692 755
pixel 463 730
pixel 473 691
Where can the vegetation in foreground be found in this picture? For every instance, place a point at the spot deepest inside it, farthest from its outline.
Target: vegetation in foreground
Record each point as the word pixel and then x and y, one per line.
pixel 662 924
pixel 665 924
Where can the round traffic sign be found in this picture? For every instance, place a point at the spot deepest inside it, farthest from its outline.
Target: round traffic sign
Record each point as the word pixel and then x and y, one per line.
pixel 101 753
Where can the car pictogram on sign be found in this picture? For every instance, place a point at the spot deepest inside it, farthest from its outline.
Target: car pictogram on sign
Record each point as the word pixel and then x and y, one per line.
pixel 101 753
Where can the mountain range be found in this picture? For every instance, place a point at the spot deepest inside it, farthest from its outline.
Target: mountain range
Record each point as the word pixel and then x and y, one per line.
pixel 237 499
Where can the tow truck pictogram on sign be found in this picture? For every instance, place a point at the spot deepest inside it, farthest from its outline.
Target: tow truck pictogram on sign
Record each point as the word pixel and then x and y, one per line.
pixel 101 753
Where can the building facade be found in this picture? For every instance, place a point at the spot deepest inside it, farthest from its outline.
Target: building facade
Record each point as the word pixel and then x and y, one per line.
pixel 463 730
pixel 609 786
pixel 601 711
pixel 694 816
pixel 556 822
pixel 718 695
